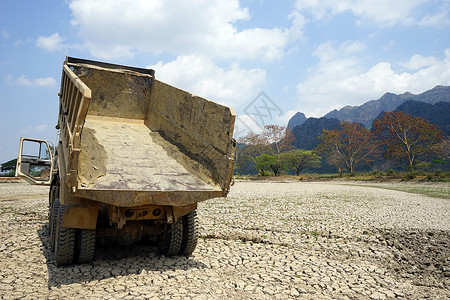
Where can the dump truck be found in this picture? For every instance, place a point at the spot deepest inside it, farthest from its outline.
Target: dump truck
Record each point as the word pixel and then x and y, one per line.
pixel 133 158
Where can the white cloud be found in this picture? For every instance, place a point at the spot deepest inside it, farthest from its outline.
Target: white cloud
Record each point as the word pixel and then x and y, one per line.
pixel 418 62
pixel 339 80
pixel 245 124
pixel 40 127
pixel 119 28
pixel 50 43
pixel 327 51
pixel 25 81
pixel 20 42
pixel 440 19
pixel 5 34
pixel 199 75
pixel 250 123
pixel 34 128
pixel 382 12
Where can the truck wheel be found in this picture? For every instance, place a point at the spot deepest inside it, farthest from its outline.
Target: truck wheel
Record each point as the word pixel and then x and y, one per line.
pixel 85 245
pixel 64 241
pixel 51 199
pixel 169 243
pixel 190 233
pixel 52 224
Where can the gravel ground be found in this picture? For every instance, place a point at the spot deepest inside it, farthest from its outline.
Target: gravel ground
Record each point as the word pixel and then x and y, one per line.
pixel 267 240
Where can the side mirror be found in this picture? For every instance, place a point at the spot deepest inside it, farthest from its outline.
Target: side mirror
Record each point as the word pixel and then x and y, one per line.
pixel 35 161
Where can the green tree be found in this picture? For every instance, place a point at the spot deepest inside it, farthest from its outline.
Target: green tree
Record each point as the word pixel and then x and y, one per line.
pixel 264 162
pixel 273 140
pixel 250 146
pixel 279 139
pixel 300 159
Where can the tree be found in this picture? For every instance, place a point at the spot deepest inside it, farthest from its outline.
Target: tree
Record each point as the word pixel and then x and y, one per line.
pixel 406 137
pixel 251 146
pixel 443 148
pixel 352 145
pixel 300 159
pixel 243 163
pixel 335 160
pixel 273 140
pixel 263 162
pixel 280 139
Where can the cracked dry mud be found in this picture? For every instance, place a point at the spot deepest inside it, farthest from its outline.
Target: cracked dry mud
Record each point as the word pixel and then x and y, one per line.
pixel 267 240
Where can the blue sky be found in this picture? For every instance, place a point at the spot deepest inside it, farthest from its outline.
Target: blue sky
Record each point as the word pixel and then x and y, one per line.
pixel 306 55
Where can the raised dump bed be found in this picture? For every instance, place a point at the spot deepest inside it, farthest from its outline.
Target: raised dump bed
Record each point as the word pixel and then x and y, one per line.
pixel 134 157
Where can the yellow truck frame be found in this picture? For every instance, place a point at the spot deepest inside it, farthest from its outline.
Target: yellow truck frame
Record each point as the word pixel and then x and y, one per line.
pixel 134 157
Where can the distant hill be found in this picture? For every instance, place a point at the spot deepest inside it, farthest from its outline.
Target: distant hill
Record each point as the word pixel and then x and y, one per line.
pixel 438 113
pixel 369 111
pixel 432 105
pixel 296 120
pixel 307 134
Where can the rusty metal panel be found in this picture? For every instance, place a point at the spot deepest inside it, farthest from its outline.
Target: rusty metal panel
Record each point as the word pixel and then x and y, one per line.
pixel 80 216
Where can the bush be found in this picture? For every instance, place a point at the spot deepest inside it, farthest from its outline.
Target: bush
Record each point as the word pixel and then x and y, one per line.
pixel 377 174
pixel 390 172
pixel 410 175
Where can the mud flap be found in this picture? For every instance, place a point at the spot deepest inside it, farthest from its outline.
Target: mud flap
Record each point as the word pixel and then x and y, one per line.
pixel 80 216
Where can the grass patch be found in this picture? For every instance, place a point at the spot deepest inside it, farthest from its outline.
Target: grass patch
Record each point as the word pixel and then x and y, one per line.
pixel 377 176
pixel 433 191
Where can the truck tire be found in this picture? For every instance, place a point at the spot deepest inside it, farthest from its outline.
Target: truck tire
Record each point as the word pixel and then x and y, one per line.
pixel 190 233
pixel 64 241
pixel 85 245
pixel 169 243
pixel 52 224
pixel 51 199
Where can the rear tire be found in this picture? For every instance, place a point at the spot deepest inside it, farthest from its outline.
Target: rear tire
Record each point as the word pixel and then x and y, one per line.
pixel 190 233
pixel 169 243
pixel 85 245
pixel 64 241
pixel 53 223
pixel 51 199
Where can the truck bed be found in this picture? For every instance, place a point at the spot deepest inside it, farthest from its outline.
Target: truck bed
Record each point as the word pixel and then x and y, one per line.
pixel 125 157
pixel 128 139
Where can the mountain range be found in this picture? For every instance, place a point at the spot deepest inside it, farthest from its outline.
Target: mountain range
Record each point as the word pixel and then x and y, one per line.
pixel 433 105
pixel 369 111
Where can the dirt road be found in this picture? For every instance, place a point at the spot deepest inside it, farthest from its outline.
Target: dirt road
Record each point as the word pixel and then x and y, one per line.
pixel 265 241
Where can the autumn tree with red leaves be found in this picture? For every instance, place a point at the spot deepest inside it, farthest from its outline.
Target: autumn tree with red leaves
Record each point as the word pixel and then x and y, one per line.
pixel 350 145
pixel 406 137
pixel 443 148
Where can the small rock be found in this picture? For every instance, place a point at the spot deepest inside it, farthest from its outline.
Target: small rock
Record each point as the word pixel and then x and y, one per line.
pixel 294 292
pixel 377 296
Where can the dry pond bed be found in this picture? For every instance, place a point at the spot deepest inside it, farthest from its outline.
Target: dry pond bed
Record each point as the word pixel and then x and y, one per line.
pixel 267 240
